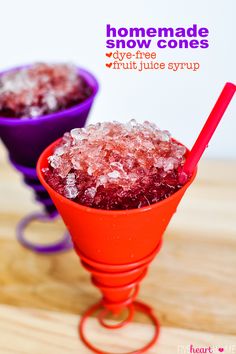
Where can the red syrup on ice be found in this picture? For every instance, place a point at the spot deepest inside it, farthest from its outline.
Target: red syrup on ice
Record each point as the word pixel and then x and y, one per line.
pixel 41 89
pixel 116 166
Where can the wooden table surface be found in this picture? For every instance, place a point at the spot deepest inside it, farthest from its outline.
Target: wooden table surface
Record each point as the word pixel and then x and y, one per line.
pixel 191 284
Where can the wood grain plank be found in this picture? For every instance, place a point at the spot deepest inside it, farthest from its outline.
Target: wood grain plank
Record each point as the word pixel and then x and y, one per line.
pixel 31 331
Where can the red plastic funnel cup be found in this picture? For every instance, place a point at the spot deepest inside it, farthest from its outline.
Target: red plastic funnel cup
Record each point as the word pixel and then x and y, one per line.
pixel 116 247
pixel 113 237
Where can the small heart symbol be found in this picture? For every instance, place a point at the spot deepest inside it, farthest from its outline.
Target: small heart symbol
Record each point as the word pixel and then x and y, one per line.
pixel 221 350
pixel 109 65
pixel 109 54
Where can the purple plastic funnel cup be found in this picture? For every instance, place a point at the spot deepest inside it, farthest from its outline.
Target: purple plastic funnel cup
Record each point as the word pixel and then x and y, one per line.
pixel 25 139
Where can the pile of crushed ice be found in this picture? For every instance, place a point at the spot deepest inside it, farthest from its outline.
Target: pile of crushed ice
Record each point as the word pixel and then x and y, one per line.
pixel 116 166
pixel 41 89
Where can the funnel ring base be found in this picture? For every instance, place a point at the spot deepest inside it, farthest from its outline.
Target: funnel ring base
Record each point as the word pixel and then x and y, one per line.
pixel 63 244
pixel 105 312
pixel 137 306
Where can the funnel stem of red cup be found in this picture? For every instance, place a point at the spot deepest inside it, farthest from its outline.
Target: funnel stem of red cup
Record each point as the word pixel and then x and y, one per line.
pixel 208 129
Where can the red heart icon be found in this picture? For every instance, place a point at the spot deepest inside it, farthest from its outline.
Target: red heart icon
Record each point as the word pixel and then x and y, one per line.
pixel 109 54
pixel 109 65
pixel 221 350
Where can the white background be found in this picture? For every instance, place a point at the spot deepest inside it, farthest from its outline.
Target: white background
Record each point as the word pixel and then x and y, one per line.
pixel 74 30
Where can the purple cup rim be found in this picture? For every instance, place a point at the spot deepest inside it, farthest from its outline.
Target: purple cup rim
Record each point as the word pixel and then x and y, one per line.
pixel 87 75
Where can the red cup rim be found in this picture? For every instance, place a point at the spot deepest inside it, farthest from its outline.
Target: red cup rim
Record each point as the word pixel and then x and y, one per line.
pixel 64 200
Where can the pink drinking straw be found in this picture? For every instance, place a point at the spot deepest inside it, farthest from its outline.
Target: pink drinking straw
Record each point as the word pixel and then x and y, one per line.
pixel 207 131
